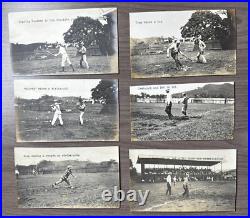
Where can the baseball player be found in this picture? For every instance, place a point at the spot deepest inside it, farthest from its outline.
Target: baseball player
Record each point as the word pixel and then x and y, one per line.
pixel 185 104
pixel 201 47
pixel 57 114
pixel 174 180
pixel 82 51
pixel 65 57
pixel 186 186
pixel 168 108
pixel 169 184
pixel 65 178
pixel 16 173
pixel 82 107
pixel 174 50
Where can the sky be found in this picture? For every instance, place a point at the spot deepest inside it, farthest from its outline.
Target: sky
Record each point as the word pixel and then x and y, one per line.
pixel 46 26
pixel 173 88
pixel 228 155
pixel 32 156
pixel 34 89
pixel 157 24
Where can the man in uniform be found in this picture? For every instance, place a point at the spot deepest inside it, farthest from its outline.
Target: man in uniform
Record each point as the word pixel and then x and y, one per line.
pixel 65 177
pixel 186 186
pixel 168 100
pixel 57 114
pixel 201 48
pixel 82 52
pixel 185 104
pixel 174 50
pixel 65 57
pixel 82 107
pixel 169 184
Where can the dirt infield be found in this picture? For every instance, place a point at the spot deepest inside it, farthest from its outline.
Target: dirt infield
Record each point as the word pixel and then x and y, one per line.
pixel 35 126
pixel 36 191
pixel 218 63
pixel 204 196
pixel 204 122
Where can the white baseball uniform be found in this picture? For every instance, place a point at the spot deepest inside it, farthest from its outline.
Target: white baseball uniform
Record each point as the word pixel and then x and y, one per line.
pixel 57 114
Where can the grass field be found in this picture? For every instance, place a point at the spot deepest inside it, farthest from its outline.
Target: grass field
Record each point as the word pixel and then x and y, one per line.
pixel 51 66
pixel 36 191
pixel 35 126
pixel 204 196
pixel 218 63
pixel 205 122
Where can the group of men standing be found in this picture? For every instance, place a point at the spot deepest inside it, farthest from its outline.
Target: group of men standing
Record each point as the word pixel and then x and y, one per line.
pixel 168 101
pixel 185 184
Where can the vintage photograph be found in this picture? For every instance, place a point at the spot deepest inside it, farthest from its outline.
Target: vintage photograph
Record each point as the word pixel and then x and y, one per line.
pixel 49 110
pixel 72 177
pixel 192 111
pixel 183 43
pixel 184 180
pixel 59 42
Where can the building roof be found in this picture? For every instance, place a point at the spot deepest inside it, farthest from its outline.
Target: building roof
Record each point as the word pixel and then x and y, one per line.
pixel 179 161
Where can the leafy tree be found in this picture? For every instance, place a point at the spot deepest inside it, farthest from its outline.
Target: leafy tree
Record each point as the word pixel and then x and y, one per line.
pixel 211 26
pixel 90 31
pixel 84 29
pixel 106 92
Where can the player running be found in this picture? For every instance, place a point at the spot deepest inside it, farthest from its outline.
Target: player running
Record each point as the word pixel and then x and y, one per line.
pixel 201 46
pixel 57 114
pixel 65 57
pixel 65 178
pixel 82 107
pixel 82 51
pixel 174 50
pixel 185 104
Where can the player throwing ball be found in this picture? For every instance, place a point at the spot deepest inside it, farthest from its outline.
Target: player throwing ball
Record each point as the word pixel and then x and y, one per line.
pixel 65 178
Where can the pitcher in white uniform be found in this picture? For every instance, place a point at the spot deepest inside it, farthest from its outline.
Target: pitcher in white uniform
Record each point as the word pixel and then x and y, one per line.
pixel 65 57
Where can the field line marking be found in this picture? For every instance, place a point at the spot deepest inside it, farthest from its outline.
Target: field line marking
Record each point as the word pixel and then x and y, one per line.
pixel 183 124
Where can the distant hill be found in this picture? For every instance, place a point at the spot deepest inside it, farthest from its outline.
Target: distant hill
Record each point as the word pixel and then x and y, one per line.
pixel 225 90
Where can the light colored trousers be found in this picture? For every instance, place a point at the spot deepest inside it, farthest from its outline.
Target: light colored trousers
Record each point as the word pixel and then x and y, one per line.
pixel 57 116
pixel 65 59
pixel 81 117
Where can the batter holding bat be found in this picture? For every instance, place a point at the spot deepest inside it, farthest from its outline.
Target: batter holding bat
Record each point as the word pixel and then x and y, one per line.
pixel 65 57
pixel 57 114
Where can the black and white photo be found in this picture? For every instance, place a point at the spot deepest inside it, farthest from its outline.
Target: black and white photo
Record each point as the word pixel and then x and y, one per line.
pixel 192 111
pixel 59 42
pixel 50 110
pixel 184 180
pixel 182 43
pixel 66 177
